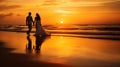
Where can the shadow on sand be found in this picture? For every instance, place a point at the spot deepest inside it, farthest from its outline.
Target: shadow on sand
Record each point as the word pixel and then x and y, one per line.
pixel 21 60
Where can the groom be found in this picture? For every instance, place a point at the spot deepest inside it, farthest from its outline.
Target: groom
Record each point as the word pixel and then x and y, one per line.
pixel 29 21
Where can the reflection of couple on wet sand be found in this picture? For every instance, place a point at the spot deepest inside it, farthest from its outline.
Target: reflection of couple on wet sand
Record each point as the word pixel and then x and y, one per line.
pixel 38 42
pixel 40 33
pixel 39 30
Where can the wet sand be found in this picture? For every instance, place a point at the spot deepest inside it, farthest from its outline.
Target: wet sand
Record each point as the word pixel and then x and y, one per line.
pixel 19 50
pixel 9 59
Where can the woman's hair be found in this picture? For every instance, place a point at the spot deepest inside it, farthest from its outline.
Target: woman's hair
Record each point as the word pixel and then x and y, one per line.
pixel 37 16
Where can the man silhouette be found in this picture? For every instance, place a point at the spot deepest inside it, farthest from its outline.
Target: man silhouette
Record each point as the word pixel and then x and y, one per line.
pixel 29 21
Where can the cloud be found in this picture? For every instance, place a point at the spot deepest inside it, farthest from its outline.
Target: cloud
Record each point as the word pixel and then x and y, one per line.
pixel 51 2
pixel 75 0
pixel 112 5
pixel 5 15
pixel 2 0
pixel 5 7
pixel 91 0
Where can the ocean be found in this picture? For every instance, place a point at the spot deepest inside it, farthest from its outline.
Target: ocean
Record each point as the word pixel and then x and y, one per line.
pixel 100 31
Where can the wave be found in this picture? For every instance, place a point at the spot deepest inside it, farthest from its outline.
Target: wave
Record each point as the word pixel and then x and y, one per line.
pixel 90 36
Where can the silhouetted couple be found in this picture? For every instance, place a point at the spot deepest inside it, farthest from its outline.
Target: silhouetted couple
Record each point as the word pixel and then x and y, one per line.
pixel 29 22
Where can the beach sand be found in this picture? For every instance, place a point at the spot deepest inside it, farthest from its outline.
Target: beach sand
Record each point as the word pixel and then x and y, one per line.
pixel 20 59
pixel 19 50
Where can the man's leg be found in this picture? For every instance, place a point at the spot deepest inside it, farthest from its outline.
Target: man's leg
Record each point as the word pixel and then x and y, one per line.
pixel 29 29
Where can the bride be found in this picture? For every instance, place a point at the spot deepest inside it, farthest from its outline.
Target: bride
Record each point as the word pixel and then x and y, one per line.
pixel 39 30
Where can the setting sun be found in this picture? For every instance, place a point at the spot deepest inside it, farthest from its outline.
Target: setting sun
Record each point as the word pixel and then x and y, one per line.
pixel 61 22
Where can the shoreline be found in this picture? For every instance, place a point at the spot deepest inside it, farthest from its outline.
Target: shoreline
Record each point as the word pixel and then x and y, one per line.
pixel 78 35
pixel 57 32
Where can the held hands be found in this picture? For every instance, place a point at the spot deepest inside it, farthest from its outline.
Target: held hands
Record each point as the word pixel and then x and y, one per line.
pixel 33 23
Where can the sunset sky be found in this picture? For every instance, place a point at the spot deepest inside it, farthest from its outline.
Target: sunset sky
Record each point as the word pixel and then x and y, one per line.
pixel 65 11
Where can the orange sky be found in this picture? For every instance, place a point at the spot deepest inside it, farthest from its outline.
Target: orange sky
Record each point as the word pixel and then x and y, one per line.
pixel 55 11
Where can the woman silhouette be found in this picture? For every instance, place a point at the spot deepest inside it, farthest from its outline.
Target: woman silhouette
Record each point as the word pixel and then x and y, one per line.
pixel 39 30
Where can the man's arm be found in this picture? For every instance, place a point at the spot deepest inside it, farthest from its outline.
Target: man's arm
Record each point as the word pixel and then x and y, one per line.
pixel 32 21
